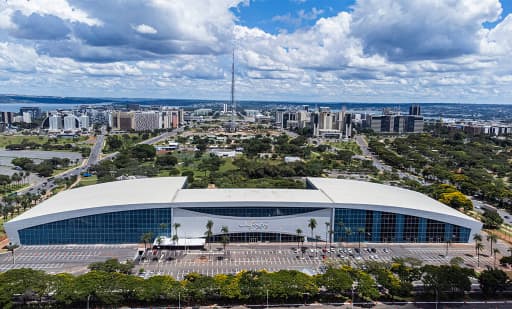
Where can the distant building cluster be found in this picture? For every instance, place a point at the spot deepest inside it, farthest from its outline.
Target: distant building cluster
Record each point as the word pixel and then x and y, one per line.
pixel 480 127
pixel 391 122
pixel 26 115
pixel 147 120
pixel 338 124
pixel 66 122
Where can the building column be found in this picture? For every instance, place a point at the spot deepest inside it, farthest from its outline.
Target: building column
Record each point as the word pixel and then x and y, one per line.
pixel 376 226
pixel 399 228
pixel 422 231
pixel 448 232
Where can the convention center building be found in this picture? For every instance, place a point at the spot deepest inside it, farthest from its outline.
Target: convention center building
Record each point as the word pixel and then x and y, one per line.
pixel 344 210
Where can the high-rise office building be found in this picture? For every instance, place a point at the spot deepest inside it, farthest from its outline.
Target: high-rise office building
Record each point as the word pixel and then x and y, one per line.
pixel 7 117
pixel 55 123
pixel 415 110
pixel 70 122
pixel 84 122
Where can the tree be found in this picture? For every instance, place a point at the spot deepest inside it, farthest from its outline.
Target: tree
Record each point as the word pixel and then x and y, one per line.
pixel 495 251
pixel 336 280
pixel 224 238
pixel 113 266
pixel 166 160
pixel 299 235
pixel 176 226
pixel 348 232
pixel 479 247
pixel 312 225
pixel 164 226
pixel 492 239
pixel 210 164
pixel 143 152
pixel 492 220
pixel 209 232
pixel 360 231
pixel 146 238
pixel 477 238
pixel 25 283
pixel 341 225
pixel 492 281
pixel 366 286
pixel 23 163
pixel 327 225
pixel 456 261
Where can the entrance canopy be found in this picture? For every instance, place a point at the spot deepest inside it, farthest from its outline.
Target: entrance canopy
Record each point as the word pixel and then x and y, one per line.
pixel 164 241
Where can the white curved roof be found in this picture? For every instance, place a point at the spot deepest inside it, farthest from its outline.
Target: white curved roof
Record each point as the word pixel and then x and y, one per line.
pixel 126 192
pixel 341 191
pixel 169 191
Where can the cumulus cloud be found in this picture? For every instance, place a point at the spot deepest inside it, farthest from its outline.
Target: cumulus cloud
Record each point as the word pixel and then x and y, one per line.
pixel 144 29
pixel 422 29
pixel 379 50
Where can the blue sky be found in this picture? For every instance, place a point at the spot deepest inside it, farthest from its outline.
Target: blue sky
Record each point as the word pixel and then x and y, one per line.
pixel 303 50
pixel 274 16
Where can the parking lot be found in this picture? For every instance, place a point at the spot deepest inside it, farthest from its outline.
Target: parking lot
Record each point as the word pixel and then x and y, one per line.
pixel 65 258
pixel 268 256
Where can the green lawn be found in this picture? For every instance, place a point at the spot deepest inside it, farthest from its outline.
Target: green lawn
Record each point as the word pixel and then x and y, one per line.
pixel 227 166
pixel 16 139
pixel 12 188
pixel 350 145
pixel 60 170
pixel 87 181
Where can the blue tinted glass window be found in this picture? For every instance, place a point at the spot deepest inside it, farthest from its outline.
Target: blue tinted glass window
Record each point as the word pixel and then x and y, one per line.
pixel 353 225
pixel 108 228
pixel 253 211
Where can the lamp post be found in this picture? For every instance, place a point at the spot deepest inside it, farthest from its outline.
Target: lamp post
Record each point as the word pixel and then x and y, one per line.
pixel 11 247
pixel 267 298
pixel 354 284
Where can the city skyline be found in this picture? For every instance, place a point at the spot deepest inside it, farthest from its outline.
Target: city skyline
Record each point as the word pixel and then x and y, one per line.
pixel 322 51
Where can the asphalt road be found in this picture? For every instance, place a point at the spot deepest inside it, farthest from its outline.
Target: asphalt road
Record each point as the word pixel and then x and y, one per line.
pixel 49 183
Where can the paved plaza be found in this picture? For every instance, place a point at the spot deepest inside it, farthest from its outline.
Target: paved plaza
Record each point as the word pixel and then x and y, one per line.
pixel 257 256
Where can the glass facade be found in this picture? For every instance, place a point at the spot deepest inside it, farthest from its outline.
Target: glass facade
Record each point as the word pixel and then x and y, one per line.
pixel 108 228
pixel 350 225
pixel 353 225
pixel 258 237
pixel 253 211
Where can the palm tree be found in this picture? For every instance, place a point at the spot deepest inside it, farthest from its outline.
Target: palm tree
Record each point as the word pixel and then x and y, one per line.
pixel 163 226
pixel 146 237
pixel 209 233
pixel 360 231
pixel 312 225
pixel 477 238
pixel 176 226
pixel 479 247
pixel 495 251
pixel 492 238
pixel 327 225
pixel 225 238
pixel 348 232
pixel 299 235
pixel 317 238
pixel 340 224
pixel 331 232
